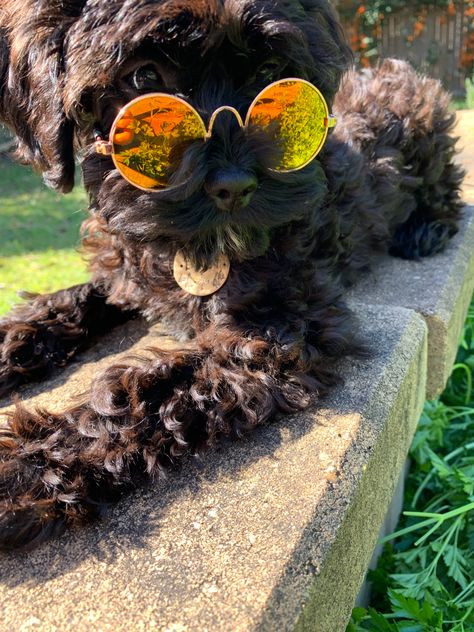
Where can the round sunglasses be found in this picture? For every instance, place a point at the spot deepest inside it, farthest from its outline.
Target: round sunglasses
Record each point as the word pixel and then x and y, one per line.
pixel 150 133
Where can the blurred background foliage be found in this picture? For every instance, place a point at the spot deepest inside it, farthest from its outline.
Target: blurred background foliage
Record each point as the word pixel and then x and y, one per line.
pixel 437 37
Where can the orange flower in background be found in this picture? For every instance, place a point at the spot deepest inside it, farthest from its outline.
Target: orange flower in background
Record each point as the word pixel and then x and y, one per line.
pixel 124 136
pixel 418 28
pixel 451 9
pixel 467 59
pixel 361 10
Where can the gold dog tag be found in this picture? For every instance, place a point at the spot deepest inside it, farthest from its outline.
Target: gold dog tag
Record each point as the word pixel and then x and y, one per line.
pixel 200 283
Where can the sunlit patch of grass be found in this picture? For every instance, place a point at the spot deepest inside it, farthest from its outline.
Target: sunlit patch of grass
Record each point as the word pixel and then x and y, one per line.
pixel 45 271
pixel 39 234
pixel 468 102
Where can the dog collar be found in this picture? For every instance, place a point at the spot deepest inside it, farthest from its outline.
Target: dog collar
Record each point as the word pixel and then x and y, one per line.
pixel 198 282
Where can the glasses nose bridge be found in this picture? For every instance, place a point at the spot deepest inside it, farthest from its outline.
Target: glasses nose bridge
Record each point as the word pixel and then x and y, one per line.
pixel 215 114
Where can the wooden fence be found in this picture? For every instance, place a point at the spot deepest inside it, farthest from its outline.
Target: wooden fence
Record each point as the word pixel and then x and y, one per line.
pixel 437 50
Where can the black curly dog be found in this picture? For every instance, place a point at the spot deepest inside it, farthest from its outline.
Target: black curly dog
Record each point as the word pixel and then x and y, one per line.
pixel 267 340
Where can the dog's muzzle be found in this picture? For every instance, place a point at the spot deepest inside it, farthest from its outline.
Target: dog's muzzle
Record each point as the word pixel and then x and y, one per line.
pixel 231 189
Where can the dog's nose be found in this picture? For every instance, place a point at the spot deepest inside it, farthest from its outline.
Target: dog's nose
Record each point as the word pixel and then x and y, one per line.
pixel 231 189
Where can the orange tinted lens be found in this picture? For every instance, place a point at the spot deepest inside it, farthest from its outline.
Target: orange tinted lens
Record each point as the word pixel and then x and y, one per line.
pixel 149 137
pixel 295 114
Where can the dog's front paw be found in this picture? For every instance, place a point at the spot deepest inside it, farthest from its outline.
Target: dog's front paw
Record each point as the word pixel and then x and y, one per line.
pixel 10 368
pixel 8 380
pixel 28 351
pixel 60 469
pixel 235 396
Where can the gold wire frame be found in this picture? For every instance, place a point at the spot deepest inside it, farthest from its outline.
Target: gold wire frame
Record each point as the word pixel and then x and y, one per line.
pixel 107 147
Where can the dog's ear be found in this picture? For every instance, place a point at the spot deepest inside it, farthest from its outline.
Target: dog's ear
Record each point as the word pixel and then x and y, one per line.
pixel 31 105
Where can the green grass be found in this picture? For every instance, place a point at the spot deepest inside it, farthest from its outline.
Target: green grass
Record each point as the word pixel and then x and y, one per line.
pixel 39 233
pixel 468 102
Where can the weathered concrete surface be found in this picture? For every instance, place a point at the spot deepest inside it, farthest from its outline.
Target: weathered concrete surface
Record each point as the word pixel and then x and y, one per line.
pixel 389 526
pixel 262 537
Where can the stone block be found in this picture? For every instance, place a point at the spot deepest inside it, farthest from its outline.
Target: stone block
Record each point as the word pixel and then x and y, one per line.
pixel 271 533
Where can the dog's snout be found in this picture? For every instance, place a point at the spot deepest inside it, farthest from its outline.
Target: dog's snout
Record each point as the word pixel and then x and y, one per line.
pixel 231 189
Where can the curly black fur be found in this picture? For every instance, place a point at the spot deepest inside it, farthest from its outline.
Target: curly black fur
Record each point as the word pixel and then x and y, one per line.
pixel 266 341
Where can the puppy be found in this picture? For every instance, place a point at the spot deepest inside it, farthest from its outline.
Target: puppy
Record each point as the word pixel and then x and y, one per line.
pixel 265 248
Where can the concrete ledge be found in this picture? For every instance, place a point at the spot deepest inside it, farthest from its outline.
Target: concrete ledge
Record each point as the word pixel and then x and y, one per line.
pixel 253 539
pixel 341 538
